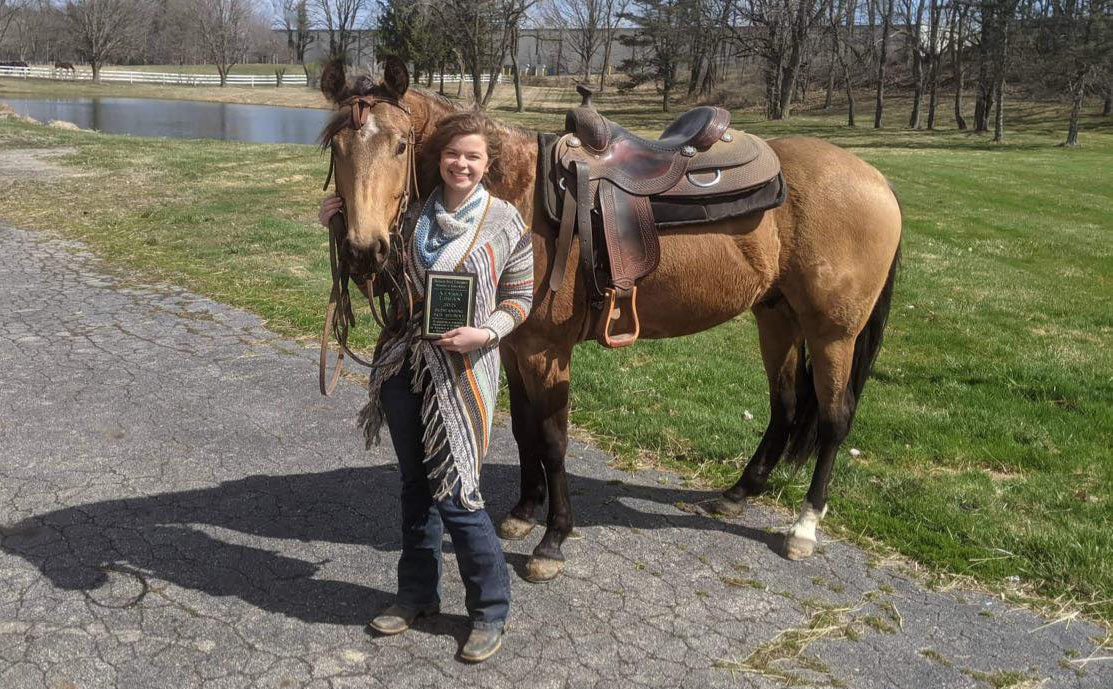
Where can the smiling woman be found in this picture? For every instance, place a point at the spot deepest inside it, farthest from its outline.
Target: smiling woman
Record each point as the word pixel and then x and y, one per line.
pixel 435 389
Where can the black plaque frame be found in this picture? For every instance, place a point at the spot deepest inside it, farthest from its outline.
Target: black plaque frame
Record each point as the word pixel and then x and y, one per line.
pixel 431 331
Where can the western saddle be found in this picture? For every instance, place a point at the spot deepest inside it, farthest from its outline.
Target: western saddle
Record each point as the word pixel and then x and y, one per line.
pixel 603 177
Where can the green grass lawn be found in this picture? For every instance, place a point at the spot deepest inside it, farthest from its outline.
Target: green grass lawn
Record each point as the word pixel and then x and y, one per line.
pixel 985 433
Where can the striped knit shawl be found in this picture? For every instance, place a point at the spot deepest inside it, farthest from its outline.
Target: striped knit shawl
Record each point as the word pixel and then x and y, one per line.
pixel 459 390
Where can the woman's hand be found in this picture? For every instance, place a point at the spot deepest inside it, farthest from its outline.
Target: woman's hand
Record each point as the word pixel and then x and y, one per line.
pixel 465 339
pixel 329 207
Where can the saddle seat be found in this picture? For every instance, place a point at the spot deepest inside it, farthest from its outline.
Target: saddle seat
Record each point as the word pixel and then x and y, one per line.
pixel 603 175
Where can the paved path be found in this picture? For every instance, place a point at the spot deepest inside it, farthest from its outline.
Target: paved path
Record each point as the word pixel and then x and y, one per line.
pixel 180 508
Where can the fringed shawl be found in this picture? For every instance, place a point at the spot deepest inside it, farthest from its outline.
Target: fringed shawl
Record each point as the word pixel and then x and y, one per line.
pixel 459 390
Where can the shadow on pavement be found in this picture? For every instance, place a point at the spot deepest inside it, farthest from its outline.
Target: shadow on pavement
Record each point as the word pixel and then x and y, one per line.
pixel 97 545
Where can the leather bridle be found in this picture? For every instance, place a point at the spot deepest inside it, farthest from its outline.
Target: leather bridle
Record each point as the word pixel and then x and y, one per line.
pixel 389 295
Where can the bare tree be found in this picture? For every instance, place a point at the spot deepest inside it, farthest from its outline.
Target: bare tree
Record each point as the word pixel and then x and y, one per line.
pixel 883 61
pixel 1077 38
pixel 484 32
pixel 958 43
pixel 292 16
pixel 1107 102
pixel 1006 11
pixel 8 11
pixel 934 19
pixel 782 33
pixel 103 29
pixel 914 14
pixel 341 19
pixel 585 19
pixel 846 11
pixel 223 34
pixel 611 20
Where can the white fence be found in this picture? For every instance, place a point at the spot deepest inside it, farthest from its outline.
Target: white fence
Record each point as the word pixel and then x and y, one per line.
pixel 86 74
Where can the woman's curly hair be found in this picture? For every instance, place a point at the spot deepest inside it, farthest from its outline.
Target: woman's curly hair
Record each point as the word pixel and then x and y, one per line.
pixel 461 124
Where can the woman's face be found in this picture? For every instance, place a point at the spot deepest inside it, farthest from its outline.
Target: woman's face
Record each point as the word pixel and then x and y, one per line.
pixel 464 161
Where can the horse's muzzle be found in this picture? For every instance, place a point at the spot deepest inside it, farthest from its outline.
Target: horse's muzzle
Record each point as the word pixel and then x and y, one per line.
pixel 367 260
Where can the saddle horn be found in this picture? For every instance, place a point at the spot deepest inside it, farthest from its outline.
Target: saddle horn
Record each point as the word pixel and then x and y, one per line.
pixel 586 94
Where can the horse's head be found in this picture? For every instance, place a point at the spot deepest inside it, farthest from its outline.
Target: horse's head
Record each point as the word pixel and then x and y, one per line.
pixel 372 139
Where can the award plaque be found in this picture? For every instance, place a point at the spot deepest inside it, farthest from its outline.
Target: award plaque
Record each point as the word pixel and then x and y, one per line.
pixel 449 302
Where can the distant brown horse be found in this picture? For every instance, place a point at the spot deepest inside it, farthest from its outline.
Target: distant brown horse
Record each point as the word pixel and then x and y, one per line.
pixel 66 66
pixel 817 273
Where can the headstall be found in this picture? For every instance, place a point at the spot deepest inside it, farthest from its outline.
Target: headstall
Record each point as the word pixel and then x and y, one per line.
pixel 389 295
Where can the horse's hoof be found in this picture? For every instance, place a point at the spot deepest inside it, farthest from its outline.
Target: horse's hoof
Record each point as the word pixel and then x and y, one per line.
pixel 513 529
pixel 725 507
pixel 797 548
pixel 541 569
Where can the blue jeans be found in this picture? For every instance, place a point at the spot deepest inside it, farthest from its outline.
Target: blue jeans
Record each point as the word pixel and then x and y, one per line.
pixel 478 551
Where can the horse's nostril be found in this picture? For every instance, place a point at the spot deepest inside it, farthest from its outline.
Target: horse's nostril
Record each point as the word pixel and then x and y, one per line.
pixel 381 248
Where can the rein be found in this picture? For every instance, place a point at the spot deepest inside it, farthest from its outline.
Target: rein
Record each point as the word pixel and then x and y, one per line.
pixel 395 316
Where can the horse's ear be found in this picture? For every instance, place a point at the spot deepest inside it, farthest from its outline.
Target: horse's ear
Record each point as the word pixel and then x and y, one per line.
pixel 396 78
pixel 333 82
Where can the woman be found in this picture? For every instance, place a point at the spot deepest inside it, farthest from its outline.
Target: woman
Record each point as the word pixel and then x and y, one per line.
pixel 438 396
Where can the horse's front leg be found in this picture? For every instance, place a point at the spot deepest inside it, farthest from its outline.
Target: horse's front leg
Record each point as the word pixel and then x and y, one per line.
pixel 541 429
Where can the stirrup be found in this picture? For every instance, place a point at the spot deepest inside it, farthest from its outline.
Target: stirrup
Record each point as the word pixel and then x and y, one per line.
pixel 625 339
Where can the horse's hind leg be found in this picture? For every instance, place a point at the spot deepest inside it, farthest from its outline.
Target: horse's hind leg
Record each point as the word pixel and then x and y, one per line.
pixel 522 517
pixel 779 336
pixel 832 362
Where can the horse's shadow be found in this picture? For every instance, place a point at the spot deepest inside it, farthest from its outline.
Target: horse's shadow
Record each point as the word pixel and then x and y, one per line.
pixel 156 536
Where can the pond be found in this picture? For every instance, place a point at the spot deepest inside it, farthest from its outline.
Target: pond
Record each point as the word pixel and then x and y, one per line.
pixel 179 119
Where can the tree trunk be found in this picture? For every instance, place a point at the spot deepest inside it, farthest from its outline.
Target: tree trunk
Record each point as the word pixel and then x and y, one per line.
pixel 1107 104
pixel 223 75
pixel 886 22
pixel 560 53
pixel 917 68
pixel 795 57
pixel 1002 63
pixel 773 86
pixel 917 89
pixel 933 93
pixel 1076 107
pixel 999 107
pixel 96 70
pixel 517 76
pixel 695 72
pixel 933 62
pixel 460 72
pixel 984 102
pixel 442 78
pixel 849 97
pixel 476 88
pixel 606 60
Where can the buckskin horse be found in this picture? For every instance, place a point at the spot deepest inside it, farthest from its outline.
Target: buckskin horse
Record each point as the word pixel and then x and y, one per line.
pixel 817 272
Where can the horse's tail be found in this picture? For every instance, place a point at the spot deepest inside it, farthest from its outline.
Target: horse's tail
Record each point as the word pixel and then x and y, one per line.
pixel 805 420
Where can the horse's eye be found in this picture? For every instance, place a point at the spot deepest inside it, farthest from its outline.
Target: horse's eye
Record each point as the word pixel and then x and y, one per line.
pixel 401 148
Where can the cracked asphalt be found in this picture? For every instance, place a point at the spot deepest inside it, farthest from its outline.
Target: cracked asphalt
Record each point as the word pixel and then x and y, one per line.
pixel 180 508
